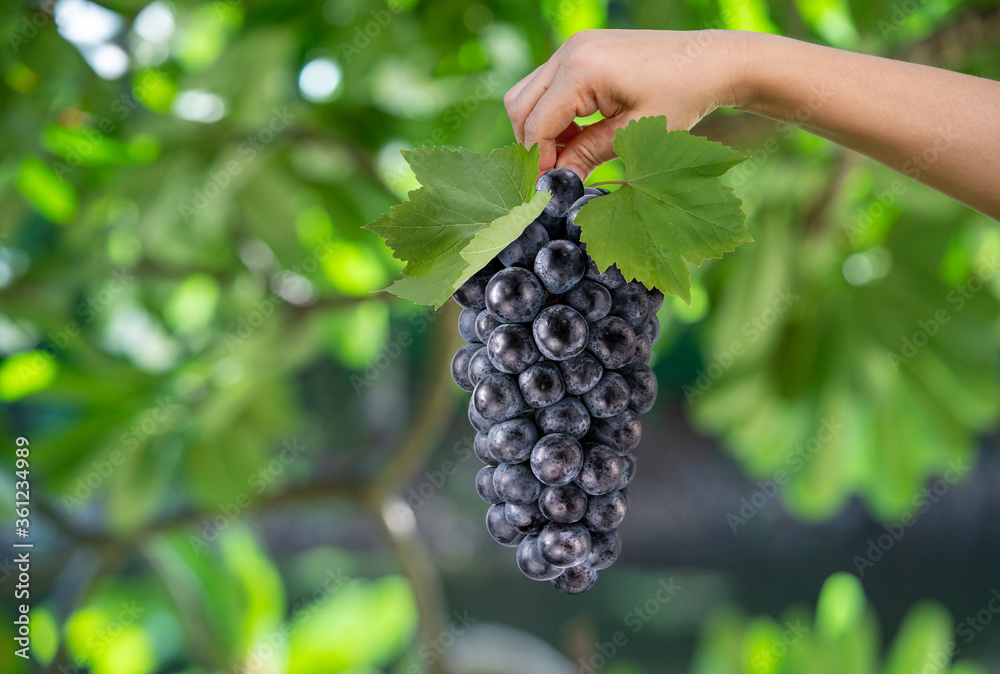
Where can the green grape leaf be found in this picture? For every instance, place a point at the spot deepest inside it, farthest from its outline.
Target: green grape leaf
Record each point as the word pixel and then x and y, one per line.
pixel 466 201
pixel 672 207
pixel 489 241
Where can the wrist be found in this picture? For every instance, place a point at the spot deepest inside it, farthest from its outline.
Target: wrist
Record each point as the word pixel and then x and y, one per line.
pixel 742 58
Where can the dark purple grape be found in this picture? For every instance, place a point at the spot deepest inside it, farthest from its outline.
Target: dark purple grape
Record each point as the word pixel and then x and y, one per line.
pixel 530 561
pixel 581 373
pixel 498 398
pixel 565 186
pixel 631 303
pixel 460 366
pixel 605 512
pixel 628 469
pixel 601 471
pixel 643 387
pixel 515 483
pixel 560 332
pixel 652 329
pixel 612 340
pixel 485 323
pixel 472 294
pixel 643 350
pixel 480 367
pixel 655 301
pixel 608 398
pixel 500 529
pixel 515 295
pixel 541 384
pixel 566 503
pixel 605 546
pixel 569 416
pixel 481 445
pixel 522 251
pixel 596 191
pixel 564 544
pixel 526 518
pixel 511 348
pixel 554 226
pixel 590 298
pixel 611 278
pixel 467 326
pixel 575 580
pixel 484 485
pixel 572 229
pixel 560 265
pixel 627 496
pixel 512 441
pixel 556 459
pixel 620 432
pixel 478 421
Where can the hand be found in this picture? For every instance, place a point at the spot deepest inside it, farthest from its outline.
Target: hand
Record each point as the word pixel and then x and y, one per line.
pixel 624 74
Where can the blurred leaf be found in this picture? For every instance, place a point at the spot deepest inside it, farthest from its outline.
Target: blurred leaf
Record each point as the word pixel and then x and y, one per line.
pixel 840 605
pixel 50 194
pixel 364 624
pixel 109 643
pixel 763 650
pixel 831 20
pixel 26 373
pixel 749 15
pixel 924 640
pixel 193 304
pixel 44 635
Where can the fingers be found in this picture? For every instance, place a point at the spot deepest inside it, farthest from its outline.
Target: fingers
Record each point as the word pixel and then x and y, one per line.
pixel 521 99
pixel 516 89
pixel 568 134
pixel 593 146
pixel 553 116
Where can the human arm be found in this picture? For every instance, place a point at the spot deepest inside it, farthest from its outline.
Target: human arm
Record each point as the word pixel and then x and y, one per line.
pixel 938 127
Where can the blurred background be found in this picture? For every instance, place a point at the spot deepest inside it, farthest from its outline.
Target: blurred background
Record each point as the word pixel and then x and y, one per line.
pixel 244 460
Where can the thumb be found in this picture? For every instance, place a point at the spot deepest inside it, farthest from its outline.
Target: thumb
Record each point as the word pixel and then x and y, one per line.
pixel 593 146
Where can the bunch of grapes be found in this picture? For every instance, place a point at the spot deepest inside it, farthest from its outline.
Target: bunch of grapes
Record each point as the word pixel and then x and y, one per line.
pixel 556 362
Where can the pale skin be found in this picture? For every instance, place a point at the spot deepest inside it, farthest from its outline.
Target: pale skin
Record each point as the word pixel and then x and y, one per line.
pixel 936 126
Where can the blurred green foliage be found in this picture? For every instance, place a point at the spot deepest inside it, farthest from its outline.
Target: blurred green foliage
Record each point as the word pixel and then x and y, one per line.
pixel 843 636
pixel 187 330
